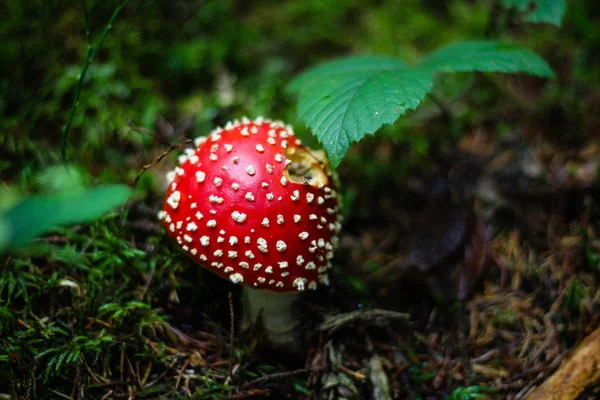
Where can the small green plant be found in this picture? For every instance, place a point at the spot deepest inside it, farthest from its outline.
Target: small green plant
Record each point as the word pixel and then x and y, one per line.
pixel 36 214
pixel 538 11
pixel 469 392
pixel 345 99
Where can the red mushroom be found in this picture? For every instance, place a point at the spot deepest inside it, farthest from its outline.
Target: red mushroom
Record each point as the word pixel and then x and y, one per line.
pixel 255 206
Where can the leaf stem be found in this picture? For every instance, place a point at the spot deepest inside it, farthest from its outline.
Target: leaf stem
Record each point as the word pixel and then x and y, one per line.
pixel 89 57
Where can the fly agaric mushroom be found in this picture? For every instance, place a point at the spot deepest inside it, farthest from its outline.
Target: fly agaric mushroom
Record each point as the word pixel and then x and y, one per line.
pixel 256 207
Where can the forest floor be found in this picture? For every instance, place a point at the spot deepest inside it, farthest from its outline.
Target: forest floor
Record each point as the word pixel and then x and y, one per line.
pixel 469 260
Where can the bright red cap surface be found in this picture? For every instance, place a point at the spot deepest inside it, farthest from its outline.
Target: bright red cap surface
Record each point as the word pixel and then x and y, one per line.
pixel 255 206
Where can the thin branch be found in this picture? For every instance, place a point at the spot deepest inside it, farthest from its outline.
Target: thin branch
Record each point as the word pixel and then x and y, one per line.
pixel 86 15
pixel 375 317
pixel 147 167
pixel 89 57
pixel 231 333
pixel 277 376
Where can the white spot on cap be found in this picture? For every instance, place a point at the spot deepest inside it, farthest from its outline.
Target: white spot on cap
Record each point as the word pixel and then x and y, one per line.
pixel 205 241
pixel 233 240
pixel 244 264
pixel 260 148
pixel 238 216
pixel 228 148
pixel 199 216
pixel 236 159
pixel 303 235
pixel 283 181
pixel 299 283
pixel 270 196
pixel 236 278
pixel 262 245
pixel 283 264
pixel 297 218
pixel 265 222
pixel 199 141
pixel 211 224
pixel 269 168
pixel 218 181
pixel 191 226
pixel 174 198
pixel 264 185
pixel 232 254
pixel 213 157
pixel 218 253
pixel 249 196
pixel 250 170
pixel 309 197
pixel 257 266
pixel 281 246
pixel 187 238
pixel 321 200
pixel 200 176
pixel 280 219
pixel 313 217
pixel 295 196
pixel 310 265
pixel 299 260
pixel 235 186
pixel 278 157
pixel 271 141
pixel 269 270
pixel 249 254
pixel 161 214
pixel 215 199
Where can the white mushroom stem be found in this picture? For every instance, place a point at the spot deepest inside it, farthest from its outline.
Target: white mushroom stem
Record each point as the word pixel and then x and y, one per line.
pixel 277 311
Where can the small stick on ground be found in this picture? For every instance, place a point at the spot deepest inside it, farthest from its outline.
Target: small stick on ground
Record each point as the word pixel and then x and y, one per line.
pixel 231 334
pixel 375 317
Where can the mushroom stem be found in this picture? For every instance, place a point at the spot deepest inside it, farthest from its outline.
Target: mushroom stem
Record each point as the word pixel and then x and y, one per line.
pixel 279 319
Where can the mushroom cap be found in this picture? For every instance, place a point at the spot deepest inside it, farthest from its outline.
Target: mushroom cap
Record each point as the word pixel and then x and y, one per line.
pixel 255 206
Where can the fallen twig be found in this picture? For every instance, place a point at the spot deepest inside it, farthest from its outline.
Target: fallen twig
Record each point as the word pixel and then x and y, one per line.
pixel 375 317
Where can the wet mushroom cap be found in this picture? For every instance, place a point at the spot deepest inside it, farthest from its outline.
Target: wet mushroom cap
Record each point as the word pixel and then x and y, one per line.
pixel 255 206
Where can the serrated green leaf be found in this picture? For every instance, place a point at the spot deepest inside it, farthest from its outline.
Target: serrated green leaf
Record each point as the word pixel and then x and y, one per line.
pixel 342 108
pixel 36 214
pixel 539 11
pixel 486 56
pixel 343 100
pixel 346 65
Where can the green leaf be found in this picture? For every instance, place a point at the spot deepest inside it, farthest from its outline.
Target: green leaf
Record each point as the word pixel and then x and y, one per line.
pixel 341 109
pixel 486 56
pixel 539 11
pixel 36 214
pixel 346 65
pixel 346 99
